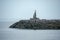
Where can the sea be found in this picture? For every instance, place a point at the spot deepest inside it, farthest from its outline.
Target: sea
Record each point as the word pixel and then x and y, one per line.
pixel 7 33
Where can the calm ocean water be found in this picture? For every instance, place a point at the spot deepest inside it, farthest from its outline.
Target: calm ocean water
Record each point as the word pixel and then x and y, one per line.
pixel 7 33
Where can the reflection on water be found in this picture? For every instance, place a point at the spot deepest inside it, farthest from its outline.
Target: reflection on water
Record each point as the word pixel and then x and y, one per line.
pixel 7 33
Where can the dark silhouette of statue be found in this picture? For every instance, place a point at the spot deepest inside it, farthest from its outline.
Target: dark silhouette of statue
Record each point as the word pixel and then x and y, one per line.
pixel 34 16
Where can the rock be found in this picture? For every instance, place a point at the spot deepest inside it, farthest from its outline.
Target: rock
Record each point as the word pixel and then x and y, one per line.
pixel 36 23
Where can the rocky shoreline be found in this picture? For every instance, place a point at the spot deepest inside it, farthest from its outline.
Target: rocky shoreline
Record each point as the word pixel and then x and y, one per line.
pixel 28 24
pixel 36 23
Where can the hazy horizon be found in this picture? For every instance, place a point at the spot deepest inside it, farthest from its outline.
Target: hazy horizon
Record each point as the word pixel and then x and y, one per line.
pixel 14 10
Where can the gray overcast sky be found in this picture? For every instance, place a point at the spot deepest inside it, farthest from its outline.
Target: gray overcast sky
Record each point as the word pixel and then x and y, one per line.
pixel 24 9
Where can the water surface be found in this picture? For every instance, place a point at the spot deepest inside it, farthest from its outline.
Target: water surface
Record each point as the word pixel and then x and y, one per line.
pixel 7 33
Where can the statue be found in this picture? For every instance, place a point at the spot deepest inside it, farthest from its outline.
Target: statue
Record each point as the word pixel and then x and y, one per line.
pixel 34 16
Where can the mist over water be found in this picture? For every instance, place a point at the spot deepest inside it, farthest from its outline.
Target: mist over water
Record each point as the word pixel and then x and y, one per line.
pixel 7 33
pixel 14 10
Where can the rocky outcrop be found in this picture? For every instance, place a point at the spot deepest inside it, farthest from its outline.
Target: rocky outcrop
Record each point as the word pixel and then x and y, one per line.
pixel 42 24
pixel 36 23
